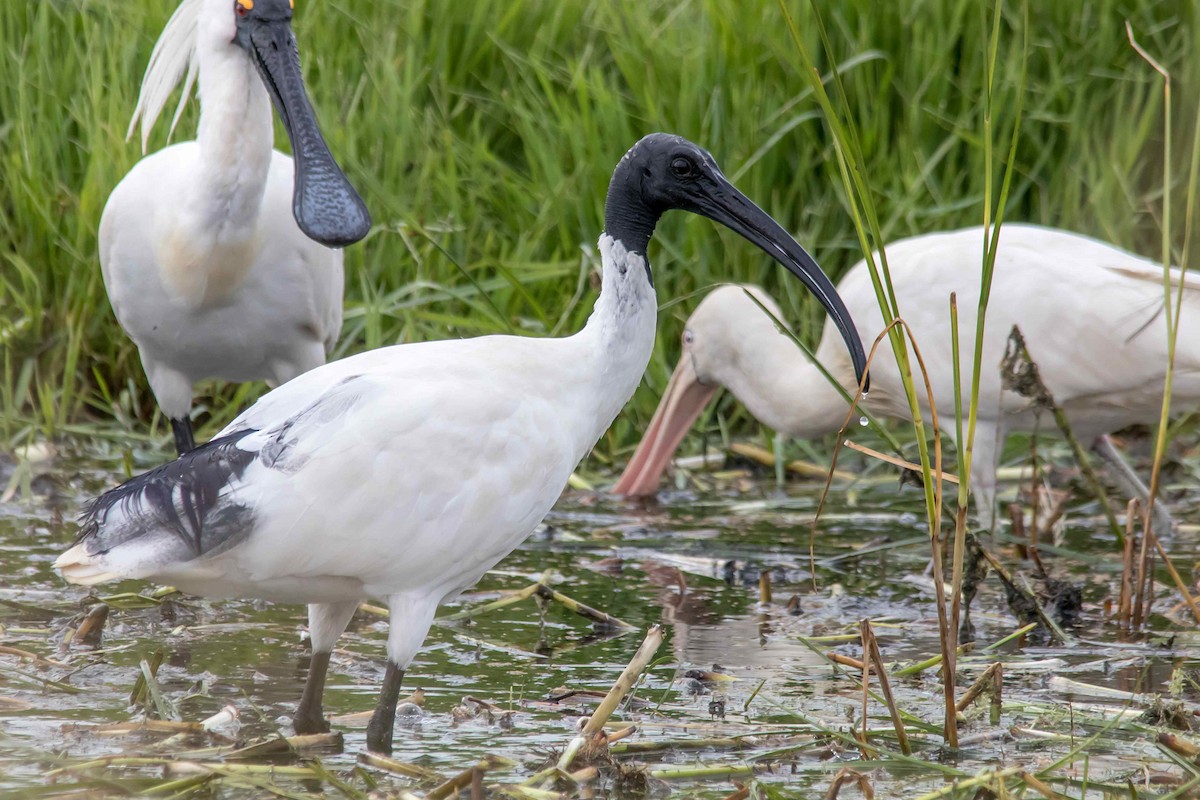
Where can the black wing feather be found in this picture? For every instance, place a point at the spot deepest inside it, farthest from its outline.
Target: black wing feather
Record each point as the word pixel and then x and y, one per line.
pixel 183 497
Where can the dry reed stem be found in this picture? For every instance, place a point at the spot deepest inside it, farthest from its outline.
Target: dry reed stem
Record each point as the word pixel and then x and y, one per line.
pixel 1125 595
pixel 846 775
pixel 92 627
pixel 764 587
pixel 469 777
pixel 897 461
pixel 846 661
pixel 871 647
pixel 1177 744
pixel 1038 786
pixel 981 685
pixel 608 705
pixel 400 767
pixel 27 655
pixel 1007 579
pixel 625 682
pixel 624 733
pixel 582 609
pixel 742 792
pixel 804 469
pixel 1020 374
pixel 1175 576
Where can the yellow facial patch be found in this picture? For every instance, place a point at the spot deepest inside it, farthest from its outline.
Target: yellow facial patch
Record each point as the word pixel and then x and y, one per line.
pixel 245 5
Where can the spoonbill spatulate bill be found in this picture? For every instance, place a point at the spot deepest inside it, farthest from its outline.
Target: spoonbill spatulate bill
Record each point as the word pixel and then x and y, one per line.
pixel 217 253
pixel 407 472
pixel 1091 314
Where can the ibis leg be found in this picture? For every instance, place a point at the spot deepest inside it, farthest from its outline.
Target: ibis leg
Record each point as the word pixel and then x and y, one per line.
pixel 326 622
pixel 185 440
pixel 1131 484
pixel 379 730
pixel 310 715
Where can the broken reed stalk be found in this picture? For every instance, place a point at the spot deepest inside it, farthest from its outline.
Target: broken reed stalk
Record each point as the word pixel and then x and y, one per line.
pixel 413 771
pixel 1125 595
pixel 1143 587
pixel 543 590
pixel 597 616
pixel 619 689
pixel 764 587
pixel 804 469
pixel 997 704
pixel 1011 585
pixel 871 655
pixel 741 793
pixel 495 605
pixel 91 629
pixel 1189 601
pixel 470 777
pixel 896 461
pixel 1035 783
pixel 982 684
pixel 1019 373
pixel 1177 744
pixel 849 776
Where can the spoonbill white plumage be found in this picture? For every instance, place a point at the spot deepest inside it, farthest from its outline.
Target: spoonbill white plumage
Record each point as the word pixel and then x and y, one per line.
pixel 216 260
pixel 1091 315
pixel 405 473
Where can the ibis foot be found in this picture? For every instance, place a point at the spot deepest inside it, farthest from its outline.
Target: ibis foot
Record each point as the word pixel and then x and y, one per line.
pixel 310 717
pixel 185 440
pixel 379 730
pixel 305 723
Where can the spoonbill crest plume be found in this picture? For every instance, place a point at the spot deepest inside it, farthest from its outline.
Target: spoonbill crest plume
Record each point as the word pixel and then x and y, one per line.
pixel 216 253
pixel 405 473
pixel 1090 313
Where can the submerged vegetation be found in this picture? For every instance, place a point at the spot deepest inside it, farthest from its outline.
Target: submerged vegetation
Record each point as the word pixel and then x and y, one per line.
pixel 482 136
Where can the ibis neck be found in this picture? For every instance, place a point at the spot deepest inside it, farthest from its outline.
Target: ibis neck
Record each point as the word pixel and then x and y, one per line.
pixel 620 332
pixel 236 133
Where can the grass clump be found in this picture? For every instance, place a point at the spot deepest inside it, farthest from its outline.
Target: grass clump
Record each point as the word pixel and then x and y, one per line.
pixel 482 136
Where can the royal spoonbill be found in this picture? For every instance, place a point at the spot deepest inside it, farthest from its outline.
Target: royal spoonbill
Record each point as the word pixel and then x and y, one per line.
pixel 405 473
pixel 1091 315
pixel 216 253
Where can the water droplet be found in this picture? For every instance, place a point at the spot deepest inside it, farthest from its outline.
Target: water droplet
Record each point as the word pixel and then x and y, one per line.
pixel 862 421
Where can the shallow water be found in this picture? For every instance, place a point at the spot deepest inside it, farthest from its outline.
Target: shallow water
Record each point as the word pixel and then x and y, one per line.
pixel 790 706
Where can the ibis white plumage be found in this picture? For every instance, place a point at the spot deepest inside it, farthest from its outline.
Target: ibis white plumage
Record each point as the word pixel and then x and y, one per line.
pixel 405 473
pixel 1090 313
pixel 217 253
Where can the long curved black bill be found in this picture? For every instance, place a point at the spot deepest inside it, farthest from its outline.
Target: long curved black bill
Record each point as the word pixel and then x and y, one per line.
pixel 325 205
pixel 726 205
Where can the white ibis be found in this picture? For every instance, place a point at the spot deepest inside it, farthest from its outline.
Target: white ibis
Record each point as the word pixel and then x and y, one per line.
pixel 1091 315
pixel 407 472
pixel 216 260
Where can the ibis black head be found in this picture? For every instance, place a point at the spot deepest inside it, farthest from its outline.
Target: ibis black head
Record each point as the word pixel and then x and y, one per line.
pixel 664 172
pixel 325 205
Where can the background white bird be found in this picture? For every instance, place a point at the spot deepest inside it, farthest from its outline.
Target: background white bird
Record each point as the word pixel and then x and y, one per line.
pixel 407 472
pixel 217 260
pixel 1091 315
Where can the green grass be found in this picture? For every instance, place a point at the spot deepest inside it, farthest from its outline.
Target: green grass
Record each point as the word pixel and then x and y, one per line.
pixel 482 136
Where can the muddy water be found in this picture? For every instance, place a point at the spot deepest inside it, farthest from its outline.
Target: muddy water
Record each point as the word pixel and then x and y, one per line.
pixel 690 562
